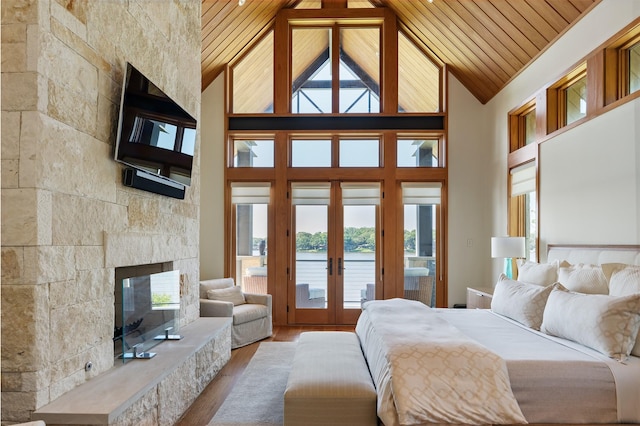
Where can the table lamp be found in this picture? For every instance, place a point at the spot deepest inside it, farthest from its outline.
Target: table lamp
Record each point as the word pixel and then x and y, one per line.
pixel 508 248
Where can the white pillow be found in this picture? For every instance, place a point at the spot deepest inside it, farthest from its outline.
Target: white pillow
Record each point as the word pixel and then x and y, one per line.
pixel 538 273
pixel 583 278
pixel 520 301
pixel 623 281
pixel 608 324
pixel 228 294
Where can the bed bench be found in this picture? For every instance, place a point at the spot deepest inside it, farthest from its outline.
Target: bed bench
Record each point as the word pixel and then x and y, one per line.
pixel 329 382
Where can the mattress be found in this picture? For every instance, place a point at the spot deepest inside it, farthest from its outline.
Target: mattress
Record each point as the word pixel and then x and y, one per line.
pixel 553 380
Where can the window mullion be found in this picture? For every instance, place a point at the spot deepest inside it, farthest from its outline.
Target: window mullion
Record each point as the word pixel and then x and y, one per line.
pixel 335 69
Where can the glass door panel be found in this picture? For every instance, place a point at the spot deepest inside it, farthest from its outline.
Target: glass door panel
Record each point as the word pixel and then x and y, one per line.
pixel 359 249
pixel 420 253
pixel 421 202
pixel 311 256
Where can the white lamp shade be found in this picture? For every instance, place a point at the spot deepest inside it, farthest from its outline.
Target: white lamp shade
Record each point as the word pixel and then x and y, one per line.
pixel 508 247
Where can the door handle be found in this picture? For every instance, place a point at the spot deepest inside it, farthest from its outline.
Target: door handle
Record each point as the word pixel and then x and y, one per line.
pixel 331 266
pixel 339 266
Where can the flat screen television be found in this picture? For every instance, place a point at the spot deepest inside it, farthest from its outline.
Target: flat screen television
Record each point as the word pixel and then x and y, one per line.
pixel 154 133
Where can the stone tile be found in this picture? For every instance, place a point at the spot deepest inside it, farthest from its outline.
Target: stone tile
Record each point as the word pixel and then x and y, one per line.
pixel 49 264
pixel 19 11
pixel 19 220
pixel 73 108
pixel 19 91
pixel 90 257
pixel 75 163
pixel 57 61
pixel 17 406
pixel 63 293
pixel 10 173
pixel 144 214
pixel 127 249
pixel 12 265
pixel 80 46
pixel 81 221
pixel 24 382
pixel 33 47
pixel 96 284
pixel 25 328
pixel 177 392
pixel 30 130
pixel 87 328
pixel 77 8
pixel 143 412
pixel 72 15
pixel 14 57
pixel 10 135
pixel 14 33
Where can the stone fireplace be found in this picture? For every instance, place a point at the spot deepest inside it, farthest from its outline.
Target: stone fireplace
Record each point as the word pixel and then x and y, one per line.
pixel 67 220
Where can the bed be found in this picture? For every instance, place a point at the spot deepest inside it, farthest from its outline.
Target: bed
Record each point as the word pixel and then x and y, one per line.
pixel 546 353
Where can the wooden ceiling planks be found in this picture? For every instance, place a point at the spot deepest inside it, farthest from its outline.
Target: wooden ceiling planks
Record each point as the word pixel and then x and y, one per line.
pixel 485 43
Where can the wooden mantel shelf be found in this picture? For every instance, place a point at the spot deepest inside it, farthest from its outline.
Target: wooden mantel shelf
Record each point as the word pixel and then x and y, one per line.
pixel 106 398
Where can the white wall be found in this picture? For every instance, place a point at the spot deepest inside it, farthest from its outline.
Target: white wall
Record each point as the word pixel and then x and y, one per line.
pixel 601 153
pixel 589 190
pixel 212 181
pixel 470 161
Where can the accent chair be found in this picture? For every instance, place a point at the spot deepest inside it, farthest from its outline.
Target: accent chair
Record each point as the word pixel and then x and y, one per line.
pixel 251 313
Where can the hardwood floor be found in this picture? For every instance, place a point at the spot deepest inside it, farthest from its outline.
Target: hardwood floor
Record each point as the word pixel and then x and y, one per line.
pixel 205 406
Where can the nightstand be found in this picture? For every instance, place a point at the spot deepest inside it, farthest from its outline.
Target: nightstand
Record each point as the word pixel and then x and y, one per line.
pixel 479 297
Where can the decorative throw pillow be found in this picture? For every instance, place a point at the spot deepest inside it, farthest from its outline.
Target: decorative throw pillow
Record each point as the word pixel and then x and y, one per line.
pixel 583 278
pixel 537 273
pixel 520 301
pixel 623 281
pixel 608 324
pixel 228 294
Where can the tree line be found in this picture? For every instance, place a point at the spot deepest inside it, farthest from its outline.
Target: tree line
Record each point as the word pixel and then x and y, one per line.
pixel 355 240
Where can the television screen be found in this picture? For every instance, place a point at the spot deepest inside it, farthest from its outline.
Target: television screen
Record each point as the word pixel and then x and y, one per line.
pixel 154 133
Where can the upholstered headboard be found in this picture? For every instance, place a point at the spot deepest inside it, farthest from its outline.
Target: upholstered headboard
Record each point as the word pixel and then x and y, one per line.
pixel 594 254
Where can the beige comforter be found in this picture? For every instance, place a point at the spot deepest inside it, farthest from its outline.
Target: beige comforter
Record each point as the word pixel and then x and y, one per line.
pixel 435 373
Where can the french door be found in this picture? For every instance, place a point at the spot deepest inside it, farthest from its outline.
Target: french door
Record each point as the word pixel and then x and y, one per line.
pixel 334 250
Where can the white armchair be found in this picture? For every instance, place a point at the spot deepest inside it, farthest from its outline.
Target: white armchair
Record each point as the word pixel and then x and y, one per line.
pixel 252 320
pixel 368 293
pixel 309 297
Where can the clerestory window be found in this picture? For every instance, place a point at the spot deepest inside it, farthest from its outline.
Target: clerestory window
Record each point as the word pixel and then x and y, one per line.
pixel 327 79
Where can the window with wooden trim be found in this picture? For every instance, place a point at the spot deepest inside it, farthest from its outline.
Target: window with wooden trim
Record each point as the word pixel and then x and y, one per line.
pixel 250 208
pixel 622 66
pixel 253 153
pixel 335 63
pixel 522 126
pixel 567 99
pixel 573 100
pixel 523 214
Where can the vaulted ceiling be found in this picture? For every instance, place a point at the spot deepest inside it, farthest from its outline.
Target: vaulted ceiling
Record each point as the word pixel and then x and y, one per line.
pixel 485 43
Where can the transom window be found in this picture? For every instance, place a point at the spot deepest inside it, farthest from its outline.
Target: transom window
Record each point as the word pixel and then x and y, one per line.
pixel 574 100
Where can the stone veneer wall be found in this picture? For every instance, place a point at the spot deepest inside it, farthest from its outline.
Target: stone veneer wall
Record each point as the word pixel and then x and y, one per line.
pixel 67 220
